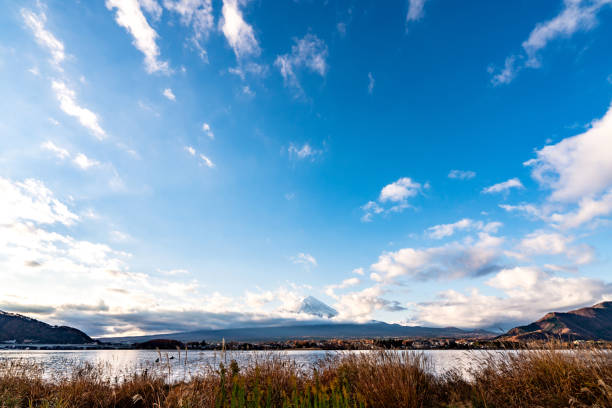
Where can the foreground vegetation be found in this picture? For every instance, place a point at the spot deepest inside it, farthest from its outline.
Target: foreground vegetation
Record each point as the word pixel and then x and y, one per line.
pixel 544 378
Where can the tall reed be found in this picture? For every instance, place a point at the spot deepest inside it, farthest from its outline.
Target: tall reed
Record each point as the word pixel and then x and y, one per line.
pixel 385 379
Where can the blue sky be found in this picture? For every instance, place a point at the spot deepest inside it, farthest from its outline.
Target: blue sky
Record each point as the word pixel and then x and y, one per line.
pixel 175 164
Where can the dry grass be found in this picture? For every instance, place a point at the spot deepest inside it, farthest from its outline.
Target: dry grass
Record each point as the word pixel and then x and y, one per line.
pixel 545 378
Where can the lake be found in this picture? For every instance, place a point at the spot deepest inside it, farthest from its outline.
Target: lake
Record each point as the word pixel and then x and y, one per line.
pixel 118 363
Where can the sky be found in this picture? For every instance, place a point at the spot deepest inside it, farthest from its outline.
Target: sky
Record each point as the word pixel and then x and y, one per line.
pixel 168 165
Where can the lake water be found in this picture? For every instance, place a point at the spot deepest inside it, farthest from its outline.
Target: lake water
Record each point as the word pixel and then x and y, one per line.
pixel 118 363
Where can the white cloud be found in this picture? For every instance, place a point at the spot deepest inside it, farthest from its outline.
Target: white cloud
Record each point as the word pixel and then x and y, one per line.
pixel 252 68
pixel 34 259
pixel 65 95
pixel 347 283
pixel 207 161
pixel 70 106
pixel 397 194
pixel 36 22
pixel 129 16
pixel 238 33
pixel 528 293
pixel 531 210
pixel 553 243
pixel 399 190
pixel 577 170
pixel 81 160
pixel 415 10
pixel 461 174
pixel 206 129
pixel 576 15
pixel 370 209
pixel 31 200
pixel 304 152
pixel 59 152
pixel 204 160
pixel 507 74
pixel 85 162
pixel 361 305
pixel 304 259
pixel 453 260
pixel 169 94
pixel 310 53
pixel 371 83
pixel 446 230
pixel 578 166
pixel 199 15
pixel 504 186
pixel 248 91
pixel 588 210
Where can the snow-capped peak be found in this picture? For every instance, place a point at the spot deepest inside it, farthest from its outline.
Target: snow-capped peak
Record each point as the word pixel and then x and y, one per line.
pixel 315 307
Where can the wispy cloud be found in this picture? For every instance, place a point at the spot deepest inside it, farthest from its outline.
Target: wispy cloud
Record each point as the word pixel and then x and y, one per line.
pixel 199 15
pixel 304 259
pixel 129 16
pixel 36 22
pixel 65 95
pixel 302 152
pixel 207 130
pixel 59 152
pixel 85 162
pixel 70 106
pixel 308 53
pixel 461 174
pixel 203 159
pixel 416 10
pixel 371 83
pixel 446 230
pixel 190 150
pixel 504 186
pixel 238 33
pixel 207 161
pixel 575 16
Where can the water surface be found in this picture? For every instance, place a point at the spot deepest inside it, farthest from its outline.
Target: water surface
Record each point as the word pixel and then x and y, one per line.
pixel 116 364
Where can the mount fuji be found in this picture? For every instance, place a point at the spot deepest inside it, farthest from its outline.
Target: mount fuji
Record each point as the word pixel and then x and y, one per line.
pixel 315 307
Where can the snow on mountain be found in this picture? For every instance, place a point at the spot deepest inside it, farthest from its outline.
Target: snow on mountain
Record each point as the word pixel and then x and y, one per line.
pixel 315 307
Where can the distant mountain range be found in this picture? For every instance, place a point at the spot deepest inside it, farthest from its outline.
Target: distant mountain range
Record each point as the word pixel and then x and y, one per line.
pixel 22 329
pixel 313 331
pixel 589 323
pixel 309 331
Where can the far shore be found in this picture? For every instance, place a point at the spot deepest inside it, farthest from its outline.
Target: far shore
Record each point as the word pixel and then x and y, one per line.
pixel 328 344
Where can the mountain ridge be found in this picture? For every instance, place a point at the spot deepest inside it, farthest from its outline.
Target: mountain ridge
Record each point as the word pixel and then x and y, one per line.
pixel 587 323
pixel 22 329
pixel 309 331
